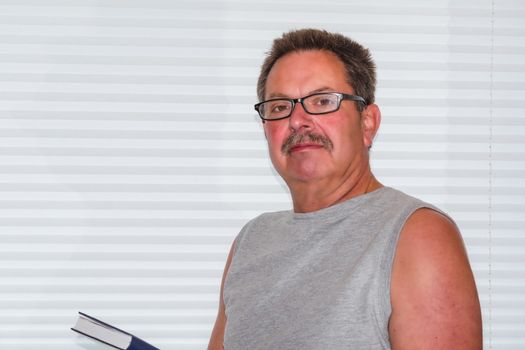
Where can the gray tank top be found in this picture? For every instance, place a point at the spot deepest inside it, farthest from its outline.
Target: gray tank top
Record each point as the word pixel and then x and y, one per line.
pixel 318 280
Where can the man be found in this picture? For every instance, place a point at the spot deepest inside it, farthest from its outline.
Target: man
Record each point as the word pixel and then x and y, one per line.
pixel 355 265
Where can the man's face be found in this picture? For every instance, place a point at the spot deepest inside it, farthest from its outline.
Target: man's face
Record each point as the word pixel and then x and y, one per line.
pixel 338 148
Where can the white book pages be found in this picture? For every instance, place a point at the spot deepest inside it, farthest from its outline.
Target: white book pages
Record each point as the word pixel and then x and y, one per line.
pixel 102 332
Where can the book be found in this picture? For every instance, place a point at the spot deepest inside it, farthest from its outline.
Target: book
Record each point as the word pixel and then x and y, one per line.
pixel 108 334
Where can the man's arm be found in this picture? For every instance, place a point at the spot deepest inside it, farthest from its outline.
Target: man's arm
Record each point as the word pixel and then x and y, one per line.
pixel 434 299
pixel 217 335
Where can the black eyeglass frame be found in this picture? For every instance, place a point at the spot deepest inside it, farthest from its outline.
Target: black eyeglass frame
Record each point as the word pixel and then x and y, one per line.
pixel 293 101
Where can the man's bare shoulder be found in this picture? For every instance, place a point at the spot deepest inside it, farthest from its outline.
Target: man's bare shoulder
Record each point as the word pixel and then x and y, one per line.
pixel 433 293
pixel 430 229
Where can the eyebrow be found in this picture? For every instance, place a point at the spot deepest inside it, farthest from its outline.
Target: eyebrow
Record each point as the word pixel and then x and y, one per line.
pixel 281 95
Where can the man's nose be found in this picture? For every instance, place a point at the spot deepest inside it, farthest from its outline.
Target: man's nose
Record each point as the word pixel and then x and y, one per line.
pixel 300 119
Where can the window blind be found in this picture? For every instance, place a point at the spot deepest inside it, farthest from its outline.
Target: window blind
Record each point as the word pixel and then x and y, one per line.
pixel 131 156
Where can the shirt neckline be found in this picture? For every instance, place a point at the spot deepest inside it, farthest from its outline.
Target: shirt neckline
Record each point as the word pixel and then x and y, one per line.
pixel 340 208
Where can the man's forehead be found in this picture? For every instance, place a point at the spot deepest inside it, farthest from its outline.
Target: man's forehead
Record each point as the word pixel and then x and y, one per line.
pixel 322 68
pixel 308 57
pixel 313 61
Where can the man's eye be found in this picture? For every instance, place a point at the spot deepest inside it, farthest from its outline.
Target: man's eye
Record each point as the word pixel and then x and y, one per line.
pixel 324 101
pixel 278 108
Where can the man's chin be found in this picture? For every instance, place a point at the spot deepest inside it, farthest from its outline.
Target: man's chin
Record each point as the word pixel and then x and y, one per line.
pixel 303 173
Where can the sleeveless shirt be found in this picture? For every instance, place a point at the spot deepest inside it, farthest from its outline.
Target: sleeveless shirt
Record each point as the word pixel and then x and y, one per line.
pixel 317 280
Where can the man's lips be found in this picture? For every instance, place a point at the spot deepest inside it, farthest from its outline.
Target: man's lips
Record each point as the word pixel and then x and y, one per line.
pixel 305 147
pixel 306 141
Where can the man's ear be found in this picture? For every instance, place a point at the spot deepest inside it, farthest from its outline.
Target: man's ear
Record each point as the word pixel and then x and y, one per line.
pixel 370 121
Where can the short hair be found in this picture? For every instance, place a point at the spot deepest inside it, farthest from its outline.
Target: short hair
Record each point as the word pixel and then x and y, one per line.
pixel 357 60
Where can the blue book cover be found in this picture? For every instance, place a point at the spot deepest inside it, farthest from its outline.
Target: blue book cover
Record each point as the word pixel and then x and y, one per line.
pixel 108 334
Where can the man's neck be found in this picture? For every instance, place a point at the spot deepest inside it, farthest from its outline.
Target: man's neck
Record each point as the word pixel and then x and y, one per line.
pixel 309 197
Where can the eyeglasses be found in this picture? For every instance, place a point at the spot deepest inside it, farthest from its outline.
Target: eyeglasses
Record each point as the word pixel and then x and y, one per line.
pixel 318 103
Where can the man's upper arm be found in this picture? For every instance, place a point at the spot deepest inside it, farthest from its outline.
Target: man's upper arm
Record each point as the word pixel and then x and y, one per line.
pixel 217 334
pixel 435 304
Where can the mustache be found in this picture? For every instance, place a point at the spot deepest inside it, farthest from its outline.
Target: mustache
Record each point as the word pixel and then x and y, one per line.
pixel 309 137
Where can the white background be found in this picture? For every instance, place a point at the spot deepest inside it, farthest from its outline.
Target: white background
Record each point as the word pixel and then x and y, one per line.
pixel 130 153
